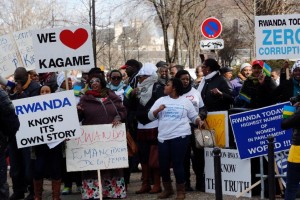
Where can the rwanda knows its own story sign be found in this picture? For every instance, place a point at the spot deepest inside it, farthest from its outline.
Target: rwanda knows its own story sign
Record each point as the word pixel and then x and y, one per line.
pixel 47 119
pixel 63 49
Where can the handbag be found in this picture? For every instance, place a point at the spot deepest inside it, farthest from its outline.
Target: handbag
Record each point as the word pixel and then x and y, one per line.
pixel 131 145
pixel 204 136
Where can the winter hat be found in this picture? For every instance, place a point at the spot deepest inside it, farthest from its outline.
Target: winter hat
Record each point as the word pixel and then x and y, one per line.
pixel 244 65
pixel 296 65
pixel 212 63
pixel 60 78
pixel 224 70
pixel 161 64
pixel 148 69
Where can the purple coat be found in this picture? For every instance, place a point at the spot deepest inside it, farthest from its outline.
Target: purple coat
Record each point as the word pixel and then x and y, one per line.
pixel 237 84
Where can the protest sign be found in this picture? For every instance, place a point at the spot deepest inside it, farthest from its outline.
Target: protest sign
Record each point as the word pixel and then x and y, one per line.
pixel 219 122
pixel 236 173
pixel 63 49
pixel 277 37
pixel 252 128
pixel 98 147
pixel 23 40
pixel 8 56
pixel 47 118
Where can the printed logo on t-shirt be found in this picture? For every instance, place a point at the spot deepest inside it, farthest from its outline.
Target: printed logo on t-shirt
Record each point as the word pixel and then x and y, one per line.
pixel 172 112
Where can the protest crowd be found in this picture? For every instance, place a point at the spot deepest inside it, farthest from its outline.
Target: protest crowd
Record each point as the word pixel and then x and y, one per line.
pixel 161 106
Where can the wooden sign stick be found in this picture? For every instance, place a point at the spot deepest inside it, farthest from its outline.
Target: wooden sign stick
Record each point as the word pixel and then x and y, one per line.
pixel 248 189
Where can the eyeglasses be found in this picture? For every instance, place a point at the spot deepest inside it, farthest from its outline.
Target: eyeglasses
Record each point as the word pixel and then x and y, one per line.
pixel 116 78
pixel 95 80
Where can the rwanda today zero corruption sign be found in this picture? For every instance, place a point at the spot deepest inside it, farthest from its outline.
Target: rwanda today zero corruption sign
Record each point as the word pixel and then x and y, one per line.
pixel 47 119
pixel 277 37
pixel 62 49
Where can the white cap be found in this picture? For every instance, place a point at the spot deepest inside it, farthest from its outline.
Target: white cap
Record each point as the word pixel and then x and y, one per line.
pixel 148 69
pixel 296 65
pixel 245 65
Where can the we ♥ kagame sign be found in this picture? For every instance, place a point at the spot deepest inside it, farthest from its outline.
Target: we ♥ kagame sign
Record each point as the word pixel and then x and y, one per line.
pixel 63 49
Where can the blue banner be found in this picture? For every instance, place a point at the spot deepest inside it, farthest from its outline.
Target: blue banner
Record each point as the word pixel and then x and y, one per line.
pixel 252 128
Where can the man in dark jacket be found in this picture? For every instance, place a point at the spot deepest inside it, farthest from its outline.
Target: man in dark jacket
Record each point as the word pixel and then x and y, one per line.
pixel 9 125
pixel 20 159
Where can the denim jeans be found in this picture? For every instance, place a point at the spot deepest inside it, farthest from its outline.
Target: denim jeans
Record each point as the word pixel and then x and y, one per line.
pixel 173 151
pixel 292 180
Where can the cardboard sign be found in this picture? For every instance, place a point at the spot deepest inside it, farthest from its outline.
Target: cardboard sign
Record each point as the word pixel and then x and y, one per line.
pixel 252 128
pixel 23 40
pixel 219 122
pixel 8 56
pixel 236 173
pixel 98 147
pixel 277 37
pixel 47 119
pixel 63 49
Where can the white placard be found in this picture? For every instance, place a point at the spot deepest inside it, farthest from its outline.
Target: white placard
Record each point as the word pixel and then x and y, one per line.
pixel 236 173
pixel 47 118
pixel 212 44
pixel 23 40
pixel 277 37
pixel 63 49
pixel 8 56
pixel 98 147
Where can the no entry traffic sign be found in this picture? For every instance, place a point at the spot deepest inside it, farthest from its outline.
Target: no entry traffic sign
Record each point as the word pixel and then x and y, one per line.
pixel 211 28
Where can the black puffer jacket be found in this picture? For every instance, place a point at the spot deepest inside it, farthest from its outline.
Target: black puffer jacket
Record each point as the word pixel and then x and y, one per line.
pixel 213 102
pixel 294 123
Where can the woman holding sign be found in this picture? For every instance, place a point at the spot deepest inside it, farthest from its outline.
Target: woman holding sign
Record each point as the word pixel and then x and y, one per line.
pixel 101 105
pixel 174 112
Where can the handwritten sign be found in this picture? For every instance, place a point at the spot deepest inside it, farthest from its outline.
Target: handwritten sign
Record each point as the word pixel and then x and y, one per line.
pixel 63 49
pixel 8 56
pixel 98 147
pixel 236 173
pixel 252 128
pixel 219 122
pixel 23 41
pixel 47 119
pixel 277 37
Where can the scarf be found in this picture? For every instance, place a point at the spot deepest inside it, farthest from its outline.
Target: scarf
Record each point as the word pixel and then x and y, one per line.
pixel 296 87
pixel 145 89
pixel 103 93
pixel 208 76
pixel 116 88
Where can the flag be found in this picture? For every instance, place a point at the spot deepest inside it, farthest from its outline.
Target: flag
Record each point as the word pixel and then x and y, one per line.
pixel 127 91
pixel 245 97
pixel 77 89
pixel 267 69
pixel 288 111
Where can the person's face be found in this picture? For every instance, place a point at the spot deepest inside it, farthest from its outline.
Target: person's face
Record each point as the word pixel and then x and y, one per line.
pixel 108 77
pixel 115 78
pixel 274 76
pixel 45 90
pixel 199 72
pixel 296 74
pixel 228 75
pixel 168 88
pixel 185 79
pixel 63 85
pixel 124 75
pixel 247 71
pixel 163 72
pixel 34 76
pixel 95 84
pixel 173 72
pixel 205 70
pixel 142 78
pixel 256 70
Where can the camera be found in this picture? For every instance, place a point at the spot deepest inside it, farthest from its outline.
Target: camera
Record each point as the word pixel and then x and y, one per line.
pixel 295 99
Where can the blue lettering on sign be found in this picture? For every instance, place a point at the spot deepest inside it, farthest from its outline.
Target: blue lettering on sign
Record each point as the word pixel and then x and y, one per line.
pixel 42 106
pixel 281 36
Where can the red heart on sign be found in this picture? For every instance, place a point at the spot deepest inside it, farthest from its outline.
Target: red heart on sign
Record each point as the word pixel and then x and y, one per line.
pixel 73 40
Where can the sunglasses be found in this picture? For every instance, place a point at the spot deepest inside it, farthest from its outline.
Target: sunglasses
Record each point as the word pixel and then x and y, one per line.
pixel 95 80
pixel 116 78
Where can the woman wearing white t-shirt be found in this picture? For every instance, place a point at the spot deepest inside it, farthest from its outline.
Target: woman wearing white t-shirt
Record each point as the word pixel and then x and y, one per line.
pixel 174 112
pixel 198 154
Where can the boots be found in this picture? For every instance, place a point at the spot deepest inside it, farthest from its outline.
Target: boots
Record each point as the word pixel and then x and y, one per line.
pixel 168 191
pixel 38 189
pixel 156 179
pixel 56 189
pixel 145 184
pixel 180 191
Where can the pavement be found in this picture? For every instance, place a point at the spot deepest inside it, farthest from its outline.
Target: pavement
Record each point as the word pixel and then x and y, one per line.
pixel 135 183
